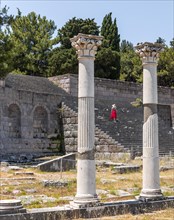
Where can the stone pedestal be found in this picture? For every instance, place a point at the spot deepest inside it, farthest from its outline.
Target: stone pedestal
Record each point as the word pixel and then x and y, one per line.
pixel 151 181
pixel 86 46
pixel 11 207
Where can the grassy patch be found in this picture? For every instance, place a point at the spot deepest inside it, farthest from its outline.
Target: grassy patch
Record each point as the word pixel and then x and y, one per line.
pixel 105 180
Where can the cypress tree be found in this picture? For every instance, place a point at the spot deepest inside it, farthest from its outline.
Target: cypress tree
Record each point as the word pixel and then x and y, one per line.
pixel 108 56
pixel 109 31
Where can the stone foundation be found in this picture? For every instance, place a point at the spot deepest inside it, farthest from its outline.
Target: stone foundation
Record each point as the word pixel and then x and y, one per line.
pixel 134 207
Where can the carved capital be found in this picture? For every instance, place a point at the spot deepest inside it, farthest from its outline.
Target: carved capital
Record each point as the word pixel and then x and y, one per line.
pixel 149 52
pixel 86 45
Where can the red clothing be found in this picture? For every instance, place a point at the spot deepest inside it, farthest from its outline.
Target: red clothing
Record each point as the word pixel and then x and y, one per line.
pixel 113 114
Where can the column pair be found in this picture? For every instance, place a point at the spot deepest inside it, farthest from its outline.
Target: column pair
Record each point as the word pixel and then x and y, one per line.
pixel 86 46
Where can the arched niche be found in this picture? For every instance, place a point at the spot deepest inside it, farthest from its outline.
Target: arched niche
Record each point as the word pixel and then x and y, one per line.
pixel 40 122
pixel 14 121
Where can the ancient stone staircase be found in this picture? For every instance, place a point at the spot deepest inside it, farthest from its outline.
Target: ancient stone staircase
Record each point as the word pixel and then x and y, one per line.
pixel 126 132
pixel 166 138
pixel 127 128
pixel 105 145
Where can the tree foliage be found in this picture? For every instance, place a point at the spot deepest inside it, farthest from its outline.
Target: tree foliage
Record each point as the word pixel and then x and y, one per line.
pixel 63 61
pixel 131 65
pixel 160 40
pixel 172 43
pixel 166 67
pixel 107 63
pixel 5 43
pixel 75 26
pixel 5 19
pixel 126 46
pixel 32 39
pixel 109 31
pixel 27 47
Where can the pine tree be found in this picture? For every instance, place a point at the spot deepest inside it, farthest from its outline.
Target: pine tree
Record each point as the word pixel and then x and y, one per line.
pixel 64 59
pixel 126 46
pixel 32 39
pixel 5 44
pixel 131 65
pixel 75 26
pixel 160 40
pixel 166 67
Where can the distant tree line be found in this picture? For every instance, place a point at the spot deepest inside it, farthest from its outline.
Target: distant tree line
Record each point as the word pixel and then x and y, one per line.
pixel 29 46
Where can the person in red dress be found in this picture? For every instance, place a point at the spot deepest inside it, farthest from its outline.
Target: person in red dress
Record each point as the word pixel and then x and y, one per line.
pixel 113 115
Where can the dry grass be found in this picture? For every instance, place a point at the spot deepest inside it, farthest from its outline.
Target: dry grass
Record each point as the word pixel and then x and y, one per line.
pixel 11 188
pixel 167 214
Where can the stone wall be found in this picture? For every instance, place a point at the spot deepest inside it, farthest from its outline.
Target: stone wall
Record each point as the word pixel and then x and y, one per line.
pixel 27 117
pixel 172 114
pixel 128 130
pixel 108 89
pixel 119 91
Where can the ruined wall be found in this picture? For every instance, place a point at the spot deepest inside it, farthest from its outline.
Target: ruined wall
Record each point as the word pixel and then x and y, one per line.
pixel 128 131
pixel 28 112
pixel 118 91
pixel 27 118
pixel 108 89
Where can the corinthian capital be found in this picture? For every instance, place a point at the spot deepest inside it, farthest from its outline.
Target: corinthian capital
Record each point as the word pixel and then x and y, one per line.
pixel 149 52
pixel 86 45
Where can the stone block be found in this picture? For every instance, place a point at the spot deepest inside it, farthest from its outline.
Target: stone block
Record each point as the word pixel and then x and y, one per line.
pixel 126 169
pixel 102 148
pixel 64 163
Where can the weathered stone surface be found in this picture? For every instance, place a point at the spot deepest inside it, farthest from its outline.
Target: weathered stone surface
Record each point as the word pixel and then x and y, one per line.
pixel 164 168
pixel 28 199
pixel 126 169
pixel 149 54
pixel 28 113
pixel 64 163
pixel 128 130
pixel 11 207
pixel 47 183
pixel 24 98
pixel 103 209
pixel 24 173
pixel 86 47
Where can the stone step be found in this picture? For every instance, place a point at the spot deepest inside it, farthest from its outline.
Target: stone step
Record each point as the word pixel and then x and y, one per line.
pixel 11 207
pixel 128 130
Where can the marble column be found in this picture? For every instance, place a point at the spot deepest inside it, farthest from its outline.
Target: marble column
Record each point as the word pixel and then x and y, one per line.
pixel 149 54
pixel 86 46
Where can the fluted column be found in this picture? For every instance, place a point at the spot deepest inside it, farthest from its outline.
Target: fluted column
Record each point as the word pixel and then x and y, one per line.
pixel 86 46
pixel 149 54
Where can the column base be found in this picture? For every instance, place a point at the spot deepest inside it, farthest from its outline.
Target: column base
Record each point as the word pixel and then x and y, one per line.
pixel 151 194
pixel 85 201
pixel 11 206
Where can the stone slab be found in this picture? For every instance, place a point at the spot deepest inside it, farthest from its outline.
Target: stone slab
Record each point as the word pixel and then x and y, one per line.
pixel 64 163
pixel 126 169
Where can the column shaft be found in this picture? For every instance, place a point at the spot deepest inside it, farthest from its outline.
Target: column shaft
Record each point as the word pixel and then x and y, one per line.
pixel 86 46
pixel 86 186
pixel 151 180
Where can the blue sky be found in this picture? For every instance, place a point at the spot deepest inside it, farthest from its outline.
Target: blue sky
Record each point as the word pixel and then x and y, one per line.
pixel 137 21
